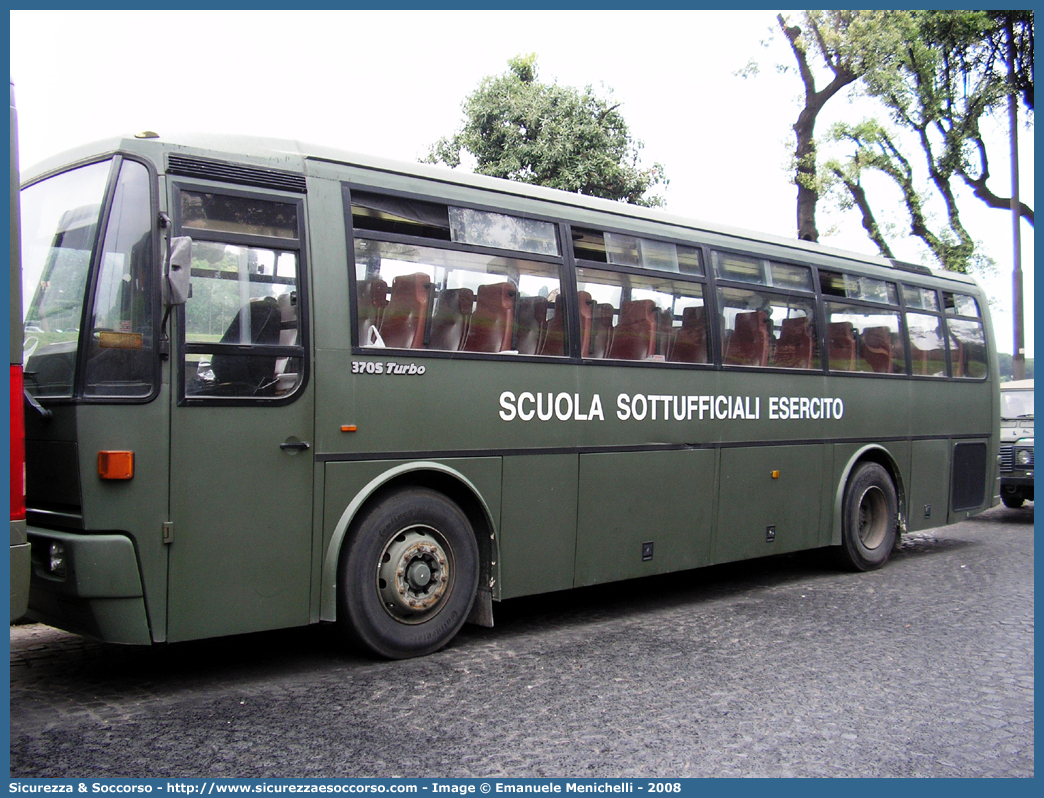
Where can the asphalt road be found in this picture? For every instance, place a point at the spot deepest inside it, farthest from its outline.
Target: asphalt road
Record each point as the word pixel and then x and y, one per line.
pixel 777 667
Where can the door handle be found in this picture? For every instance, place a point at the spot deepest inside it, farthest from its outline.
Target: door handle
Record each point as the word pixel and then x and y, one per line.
pixel 294 445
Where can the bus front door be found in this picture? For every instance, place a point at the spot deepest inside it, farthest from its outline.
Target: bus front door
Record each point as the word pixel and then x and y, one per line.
pixel 242 421
pixel 241 506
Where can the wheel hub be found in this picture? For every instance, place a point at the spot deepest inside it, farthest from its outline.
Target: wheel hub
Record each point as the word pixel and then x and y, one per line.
pixel 873 518
pixel 413 574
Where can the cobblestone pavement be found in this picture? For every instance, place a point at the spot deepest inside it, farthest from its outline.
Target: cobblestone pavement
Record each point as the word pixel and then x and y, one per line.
pixel 778 667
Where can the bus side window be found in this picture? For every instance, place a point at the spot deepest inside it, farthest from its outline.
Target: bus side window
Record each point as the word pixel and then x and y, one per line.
pixel 927 349
pixel 967 348
pixel 966 336
pixel 643 317
pixel 476 302
pixel 242 297
pixel 864 338
pixel 762 328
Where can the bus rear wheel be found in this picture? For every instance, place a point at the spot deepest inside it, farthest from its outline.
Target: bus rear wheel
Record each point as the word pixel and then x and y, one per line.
pixel 408 575
pixel 869 518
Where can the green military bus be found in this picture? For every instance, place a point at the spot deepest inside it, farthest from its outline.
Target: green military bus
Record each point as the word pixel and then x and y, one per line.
pixel 19 543
pixel 282 384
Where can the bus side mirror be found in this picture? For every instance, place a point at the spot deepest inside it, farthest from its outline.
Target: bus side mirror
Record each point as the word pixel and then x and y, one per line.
pixel 179 270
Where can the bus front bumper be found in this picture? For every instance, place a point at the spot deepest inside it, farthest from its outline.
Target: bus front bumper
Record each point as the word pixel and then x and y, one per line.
pixel 87 584
pixel 1017 480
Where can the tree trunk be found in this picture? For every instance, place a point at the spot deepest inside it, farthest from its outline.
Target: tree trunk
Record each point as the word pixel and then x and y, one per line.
pixel 804 129
pixel 805 175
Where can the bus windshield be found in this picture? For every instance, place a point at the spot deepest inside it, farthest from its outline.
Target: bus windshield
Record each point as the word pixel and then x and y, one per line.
pixel 1016 404
pixel 59 228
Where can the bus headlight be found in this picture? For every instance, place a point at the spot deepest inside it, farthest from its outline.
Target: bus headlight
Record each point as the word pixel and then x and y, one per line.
pixel 56 562
pixel 1024 457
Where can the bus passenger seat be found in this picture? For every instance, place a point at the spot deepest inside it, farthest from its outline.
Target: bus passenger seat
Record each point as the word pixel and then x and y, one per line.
pixel 530 324
pixel 601 330
pixel 749 343
pixel 841 345
pixel 493 320
pixel 449 324
pixel 794 348
pixel 691 343
pixel 635 335
pixel 406 316
pixel 248 375
pixel 373 298
pixel 877 349
pixel 555 341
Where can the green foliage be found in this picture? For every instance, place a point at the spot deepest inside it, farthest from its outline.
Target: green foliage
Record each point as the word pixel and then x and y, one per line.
pixel 518 128
pixel 938 75
pixel 1006 368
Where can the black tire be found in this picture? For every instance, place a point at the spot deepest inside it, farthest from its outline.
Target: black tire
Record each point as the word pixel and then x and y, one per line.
pixel 1013 500
pixel 869 518
pixel 408 575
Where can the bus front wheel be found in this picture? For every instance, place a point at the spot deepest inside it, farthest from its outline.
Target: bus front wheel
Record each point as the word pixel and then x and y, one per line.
pixel 408 575
pixel 1013 500
pixel 869 518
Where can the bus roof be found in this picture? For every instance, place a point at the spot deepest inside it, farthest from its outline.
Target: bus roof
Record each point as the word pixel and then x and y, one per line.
pixel 292 155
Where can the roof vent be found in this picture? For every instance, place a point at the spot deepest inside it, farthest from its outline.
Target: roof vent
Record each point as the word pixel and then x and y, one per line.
pixel 225 172
pixel 911 267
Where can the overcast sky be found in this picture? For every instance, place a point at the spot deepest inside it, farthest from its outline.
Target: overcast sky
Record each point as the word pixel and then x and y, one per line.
pixel 391 83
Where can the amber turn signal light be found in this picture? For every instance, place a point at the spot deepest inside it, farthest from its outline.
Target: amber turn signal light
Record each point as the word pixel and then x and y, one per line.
pixel 115 465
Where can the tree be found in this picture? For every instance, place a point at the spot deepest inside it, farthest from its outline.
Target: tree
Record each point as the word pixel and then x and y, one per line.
pixel 948 73
pixel 1005 367
pixel 822 35
pixel 518 128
